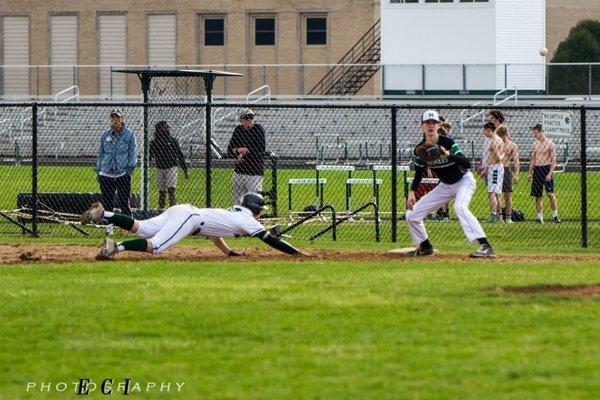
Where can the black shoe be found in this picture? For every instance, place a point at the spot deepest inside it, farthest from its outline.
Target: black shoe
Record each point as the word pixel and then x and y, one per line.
pixel 419 252
pixel 556 220
pixel 484 251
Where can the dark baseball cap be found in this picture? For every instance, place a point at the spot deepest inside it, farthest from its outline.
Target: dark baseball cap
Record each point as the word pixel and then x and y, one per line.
pixel 116 111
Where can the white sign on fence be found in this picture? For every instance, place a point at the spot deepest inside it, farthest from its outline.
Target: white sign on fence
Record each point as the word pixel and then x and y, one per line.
pixel 557 123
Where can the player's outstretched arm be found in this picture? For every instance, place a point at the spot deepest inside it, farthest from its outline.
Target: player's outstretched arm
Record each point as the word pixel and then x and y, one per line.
pixel 532 162
pixel 220 243
pixel 279 244
pixel 552 159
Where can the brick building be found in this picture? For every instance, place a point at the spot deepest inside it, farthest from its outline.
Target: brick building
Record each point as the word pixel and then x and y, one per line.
pixel 181 32
pixel 192 32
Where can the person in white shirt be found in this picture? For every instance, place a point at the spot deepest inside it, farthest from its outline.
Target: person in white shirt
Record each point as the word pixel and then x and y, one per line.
pixel 155 235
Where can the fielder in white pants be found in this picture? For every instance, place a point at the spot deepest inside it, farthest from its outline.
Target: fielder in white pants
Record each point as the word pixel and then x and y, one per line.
pixel 456 182
pixel 462 192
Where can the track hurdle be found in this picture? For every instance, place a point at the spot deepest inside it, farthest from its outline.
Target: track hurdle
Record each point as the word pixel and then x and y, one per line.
pixel 306 181
pixel 349 182
pixel 403 168
pixel 325 167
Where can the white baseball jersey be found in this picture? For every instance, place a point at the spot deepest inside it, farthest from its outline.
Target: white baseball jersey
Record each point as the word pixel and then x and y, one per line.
pixel 183 220
pixel 235 221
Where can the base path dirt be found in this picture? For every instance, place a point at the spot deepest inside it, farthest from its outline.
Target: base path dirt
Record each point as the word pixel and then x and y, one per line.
pixel 31 253
pixel 561 290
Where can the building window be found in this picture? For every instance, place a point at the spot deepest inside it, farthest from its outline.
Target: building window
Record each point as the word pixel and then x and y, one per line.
pixel 316 31
pixel 264 31
pixel 214 32
pixel 439 1
pixel 403 1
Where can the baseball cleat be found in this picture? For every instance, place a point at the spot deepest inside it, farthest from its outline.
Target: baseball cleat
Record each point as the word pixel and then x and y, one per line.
pixel 509 221
pixel 491 219
pixel 484 251
pixel 420 252
pixel 539 220
pixel 556 220
pixel 108 250
pixel 94 214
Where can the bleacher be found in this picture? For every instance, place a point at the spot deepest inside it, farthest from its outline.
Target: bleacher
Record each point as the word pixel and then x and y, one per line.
pixel 72 131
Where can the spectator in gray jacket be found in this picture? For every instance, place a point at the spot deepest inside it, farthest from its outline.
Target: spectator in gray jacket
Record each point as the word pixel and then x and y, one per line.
pixel 117 158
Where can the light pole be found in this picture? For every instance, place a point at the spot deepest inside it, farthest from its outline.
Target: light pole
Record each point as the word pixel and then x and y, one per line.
pixel 543 53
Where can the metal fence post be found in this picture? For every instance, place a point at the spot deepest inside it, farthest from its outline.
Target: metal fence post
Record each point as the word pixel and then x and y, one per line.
pixel 208 83
pixel 34 168
pixel 225 82
pixel 583 157
pixel 590 80
pixel 145 79
pixel 547 79
pixel 394 176
pixel 37 81
pixel 464 79
pixel 423 80
pixel 301 79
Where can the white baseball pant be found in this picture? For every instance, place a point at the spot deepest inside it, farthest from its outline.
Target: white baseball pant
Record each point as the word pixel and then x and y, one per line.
pixel 462 191
pixel 170 227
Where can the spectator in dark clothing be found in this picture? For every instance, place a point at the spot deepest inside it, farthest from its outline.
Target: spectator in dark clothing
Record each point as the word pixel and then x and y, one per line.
pixel 247 145
pixel 165 149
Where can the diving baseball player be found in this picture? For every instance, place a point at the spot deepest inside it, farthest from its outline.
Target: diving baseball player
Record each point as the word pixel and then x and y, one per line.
pixel 163 231
pixel 445 158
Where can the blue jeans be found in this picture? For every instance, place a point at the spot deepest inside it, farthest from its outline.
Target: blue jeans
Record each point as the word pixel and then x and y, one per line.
pixel 122 187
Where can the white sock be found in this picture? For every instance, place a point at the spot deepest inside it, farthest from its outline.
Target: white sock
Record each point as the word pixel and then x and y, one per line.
pixel 554 213
pixel 108 214
pixel 540 216
pixel 120 247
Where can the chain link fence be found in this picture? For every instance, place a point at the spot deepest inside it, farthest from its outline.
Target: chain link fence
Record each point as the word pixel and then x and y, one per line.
pixel 326 171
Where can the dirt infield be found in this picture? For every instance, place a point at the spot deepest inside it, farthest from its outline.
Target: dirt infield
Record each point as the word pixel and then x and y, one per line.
pixel 561 290
pixel 26 254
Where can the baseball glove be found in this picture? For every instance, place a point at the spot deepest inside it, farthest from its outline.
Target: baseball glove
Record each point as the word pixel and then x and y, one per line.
pixel 429 152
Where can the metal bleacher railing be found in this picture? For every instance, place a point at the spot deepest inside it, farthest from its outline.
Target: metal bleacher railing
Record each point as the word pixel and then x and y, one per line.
pixel 338 79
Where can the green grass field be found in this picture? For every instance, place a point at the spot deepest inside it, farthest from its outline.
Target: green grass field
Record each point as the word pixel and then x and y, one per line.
pixel 302 330
pixel 235 329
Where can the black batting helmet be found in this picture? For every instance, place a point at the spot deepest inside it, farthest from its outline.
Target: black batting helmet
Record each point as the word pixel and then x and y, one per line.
pixel 253 202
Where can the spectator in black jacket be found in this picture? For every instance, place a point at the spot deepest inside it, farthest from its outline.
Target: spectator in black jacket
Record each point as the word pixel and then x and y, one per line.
pixel 165 149
pixel 247 145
